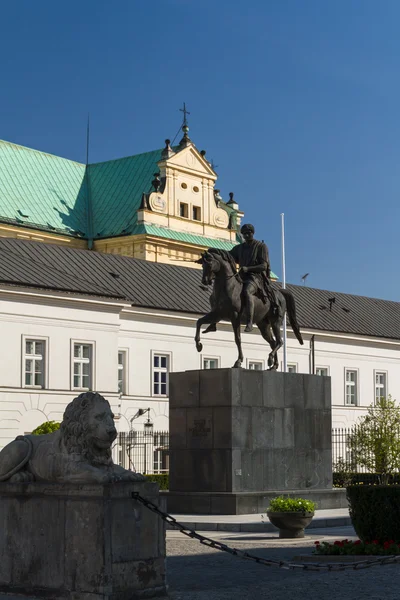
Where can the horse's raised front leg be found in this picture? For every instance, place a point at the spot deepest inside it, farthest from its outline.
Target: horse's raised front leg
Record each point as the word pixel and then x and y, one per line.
pixel 210 317
pixel 236 330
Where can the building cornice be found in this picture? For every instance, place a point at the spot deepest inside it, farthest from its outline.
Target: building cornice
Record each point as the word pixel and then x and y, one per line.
pixel 307 332
pixel 69 297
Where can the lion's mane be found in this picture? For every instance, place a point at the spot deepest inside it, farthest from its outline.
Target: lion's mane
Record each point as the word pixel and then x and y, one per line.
pixel 75 430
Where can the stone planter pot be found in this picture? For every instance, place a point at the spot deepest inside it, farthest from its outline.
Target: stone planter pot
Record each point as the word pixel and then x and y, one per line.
pixel 290 524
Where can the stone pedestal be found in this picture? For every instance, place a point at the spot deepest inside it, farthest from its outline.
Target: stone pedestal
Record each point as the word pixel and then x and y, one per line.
pixel 81 542
pixel 238 435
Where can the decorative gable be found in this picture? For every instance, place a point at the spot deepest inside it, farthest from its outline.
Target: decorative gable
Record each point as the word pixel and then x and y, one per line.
pixel 189 161
pixel 184 198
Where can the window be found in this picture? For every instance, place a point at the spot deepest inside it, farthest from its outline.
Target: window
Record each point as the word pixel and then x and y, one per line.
pixel 256 365
pixel 184 210
pixel 351 388
pixel 122 371
pixel 184 186
pixel 161 452
pixel 380 385
pixel 196 213
pixel 196 189
pixel 292 368
pixel 82 363
pixel 210 363
pixel 323 371
pixel 160 374
pixel 34 360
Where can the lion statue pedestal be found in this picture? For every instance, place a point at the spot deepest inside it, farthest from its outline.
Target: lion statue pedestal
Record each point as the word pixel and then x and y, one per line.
pixel 70 528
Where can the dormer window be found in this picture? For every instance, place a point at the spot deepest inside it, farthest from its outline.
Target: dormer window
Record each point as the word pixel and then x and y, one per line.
pixel 184 210
pixel 196 213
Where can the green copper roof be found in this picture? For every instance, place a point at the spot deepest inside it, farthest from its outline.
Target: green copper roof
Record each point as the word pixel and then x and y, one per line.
pixel 50 193
pixel 116 189
pixel 182 236
pixel 42 191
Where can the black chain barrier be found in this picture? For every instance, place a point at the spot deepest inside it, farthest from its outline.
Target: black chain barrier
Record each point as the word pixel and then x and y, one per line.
pixel 271 562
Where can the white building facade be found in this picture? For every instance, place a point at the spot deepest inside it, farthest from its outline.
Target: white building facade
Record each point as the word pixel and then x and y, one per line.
pixel 124 314
pixel 56 345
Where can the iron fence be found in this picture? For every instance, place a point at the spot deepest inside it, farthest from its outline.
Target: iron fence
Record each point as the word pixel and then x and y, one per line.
pixel 144 451
pixel 148 451
pixel 344 452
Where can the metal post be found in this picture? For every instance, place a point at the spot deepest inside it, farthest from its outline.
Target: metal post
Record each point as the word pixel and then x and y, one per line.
pixel 284 287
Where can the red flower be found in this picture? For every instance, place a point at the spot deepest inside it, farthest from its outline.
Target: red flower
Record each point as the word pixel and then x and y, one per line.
pixel 375 542
pixel 391 542
pixel 386 545
pixel 357 542
pixel 316 543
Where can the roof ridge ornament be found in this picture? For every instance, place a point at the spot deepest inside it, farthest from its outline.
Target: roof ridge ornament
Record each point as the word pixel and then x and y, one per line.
pixel 232 202
pixel 185 141
pixel 167 151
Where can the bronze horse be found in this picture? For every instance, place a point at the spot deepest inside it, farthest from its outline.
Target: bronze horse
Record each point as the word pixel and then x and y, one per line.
pixel 226 302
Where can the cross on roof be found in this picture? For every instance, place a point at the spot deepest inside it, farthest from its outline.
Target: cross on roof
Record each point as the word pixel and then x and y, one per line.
pixel 185 113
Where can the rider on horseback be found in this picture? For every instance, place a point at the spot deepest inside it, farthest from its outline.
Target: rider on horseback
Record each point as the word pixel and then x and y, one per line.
pixel 234 291
pixel 255 271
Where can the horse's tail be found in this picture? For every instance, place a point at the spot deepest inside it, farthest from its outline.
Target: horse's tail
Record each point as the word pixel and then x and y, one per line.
pixel 291 310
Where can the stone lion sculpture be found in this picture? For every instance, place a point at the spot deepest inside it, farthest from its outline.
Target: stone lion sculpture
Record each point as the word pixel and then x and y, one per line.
pixel 80 451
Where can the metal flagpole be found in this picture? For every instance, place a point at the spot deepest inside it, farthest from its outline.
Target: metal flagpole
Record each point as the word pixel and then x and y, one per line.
pixel 284 287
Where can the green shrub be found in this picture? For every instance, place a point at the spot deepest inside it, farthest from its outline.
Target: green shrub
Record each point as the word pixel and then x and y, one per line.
pixel 286 504
pixel 375 512
pixel 342 475
pixel 161 478
pixel 46 427
pixel 375 441
pixel 342 480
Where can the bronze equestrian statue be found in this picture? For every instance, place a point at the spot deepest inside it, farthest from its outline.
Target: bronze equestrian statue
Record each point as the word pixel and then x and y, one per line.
pixel 246 295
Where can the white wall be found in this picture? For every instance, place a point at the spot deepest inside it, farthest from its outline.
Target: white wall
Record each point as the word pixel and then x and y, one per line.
pixel 111 326
pixel 168 333
pixel 364 356
pixel 57 321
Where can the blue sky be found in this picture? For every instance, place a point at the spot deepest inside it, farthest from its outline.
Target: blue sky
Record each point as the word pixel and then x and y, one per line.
pixel 296 101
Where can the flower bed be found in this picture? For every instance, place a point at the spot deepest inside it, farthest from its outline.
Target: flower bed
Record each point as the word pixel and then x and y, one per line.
pixel 357 547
